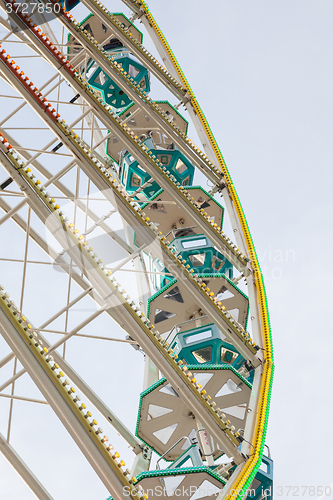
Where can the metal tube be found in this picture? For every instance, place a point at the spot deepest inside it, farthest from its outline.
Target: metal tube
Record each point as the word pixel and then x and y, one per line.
pixel 6 359
pixel 77 328
pixel 59 313
pixel 13 211
pixel 64 412
pixel 22 469
pixel 130 257
pixel 56 139
pixel 22 398
pixel 171 448
pixel 62 172
pixel 12 379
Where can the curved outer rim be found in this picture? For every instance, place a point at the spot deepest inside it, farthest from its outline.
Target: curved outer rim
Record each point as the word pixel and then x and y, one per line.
pixel 244 479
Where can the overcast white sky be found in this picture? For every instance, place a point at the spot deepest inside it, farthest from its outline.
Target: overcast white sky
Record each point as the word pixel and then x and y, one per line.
pixel 262 72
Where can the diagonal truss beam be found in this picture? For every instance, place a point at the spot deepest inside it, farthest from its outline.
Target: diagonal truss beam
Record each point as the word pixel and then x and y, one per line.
pixel 89 443
pixel 243 344
pixel 23 470
pixel 140 153
pixel 77 380
pixel 127 317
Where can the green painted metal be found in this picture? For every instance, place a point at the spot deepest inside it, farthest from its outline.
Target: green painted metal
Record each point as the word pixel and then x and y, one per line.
pixel 109 91
pixel 133 176
pixel 179 472
pixel 193 367
pixel 192 453
pixel 205 345
pixel 201 255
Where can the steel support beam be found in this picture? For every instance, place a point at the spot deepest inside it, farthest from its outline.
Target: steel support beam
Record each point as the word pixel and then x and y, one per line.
pixel 136 49
pixel 163 124
pixel 23 470
pixel 61 408
pixel 65 191
pixel 143 159
pixel 200 296
pixel 76 379
pixel 7 359
pixel 126 318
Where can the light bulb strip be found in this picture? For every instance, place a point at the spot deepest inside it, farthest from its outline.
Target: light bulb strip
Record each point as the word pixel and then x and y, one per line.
pixel 68 393
pixel 107 62
pixel 138 50
pixel 248 473
pixel 215 306
pixel 230 326
pixel 161 349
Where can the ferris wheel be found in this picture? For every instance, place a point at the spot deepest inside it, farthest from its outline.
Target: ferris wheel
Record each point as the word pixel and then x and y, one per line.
pixel 136 353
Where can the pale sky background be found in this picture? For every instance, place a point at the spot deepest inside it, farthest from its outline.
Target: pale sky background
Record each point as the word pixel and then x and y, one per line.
pixel 262 72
